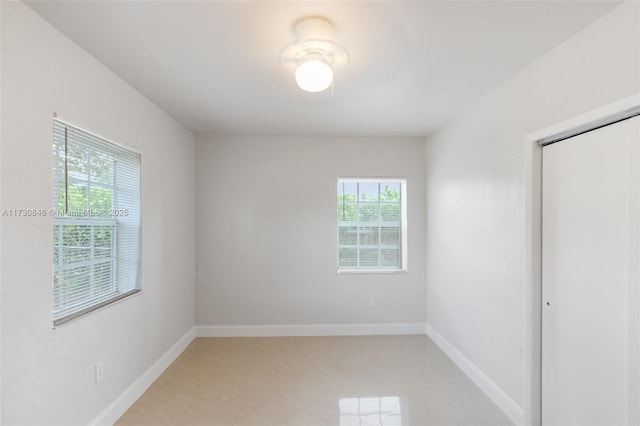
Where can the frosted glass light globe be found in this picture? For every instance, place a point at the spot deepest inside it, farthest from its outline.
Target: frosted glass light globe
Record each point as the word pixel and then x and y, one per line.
pixel 314 76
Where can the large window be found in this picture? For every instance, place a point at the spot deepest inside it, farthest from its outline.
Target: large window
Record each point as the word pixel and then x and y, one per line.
pixel 96 225
pixel 372 225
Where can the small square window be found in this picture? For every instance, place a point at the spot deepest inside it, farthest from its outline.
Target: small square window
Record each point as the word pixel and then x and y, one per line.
pixel 372 223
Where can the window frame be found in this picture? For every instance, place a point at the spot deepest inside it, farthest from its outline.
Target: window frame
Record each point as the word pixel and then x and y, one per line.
pixel 402 181
pixel 117 295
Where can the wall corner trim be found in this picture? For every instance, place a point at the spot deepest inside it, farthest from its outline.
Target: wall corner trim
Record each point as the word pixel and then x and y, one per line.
pixel 309 330
pixel 126 399
pixel 477 376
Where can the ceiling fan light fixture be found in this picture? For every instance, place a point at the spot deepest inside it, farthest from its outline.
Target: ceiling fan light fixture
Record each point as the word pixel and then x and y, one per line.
pixel 314 76
pixel 314 56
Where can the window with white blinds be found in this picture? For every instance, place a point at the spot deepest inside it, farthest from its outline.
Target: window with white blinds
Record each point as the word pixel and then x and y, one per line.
pixel 96 224
pixel 372 224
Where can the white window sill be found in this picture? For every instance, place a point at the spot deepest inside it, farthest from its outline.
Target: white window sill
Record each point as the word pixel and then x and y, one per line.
pixel 372 271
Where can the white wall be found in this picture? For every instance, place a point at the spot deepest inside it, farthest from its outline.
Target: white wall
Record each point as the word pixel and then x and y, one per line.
pixel 48 375
pixel 475 190
pixel 266 243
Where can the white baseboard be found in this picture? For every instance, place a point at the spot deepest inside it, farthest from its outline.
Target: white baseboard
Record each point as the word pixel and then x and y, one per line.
pixel 309 330
pixel 488 386
pixel 122 403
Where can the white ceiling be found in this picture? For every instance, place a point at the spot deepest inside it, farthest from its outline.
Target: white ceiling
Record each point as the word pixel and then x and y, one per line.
pixel 214 65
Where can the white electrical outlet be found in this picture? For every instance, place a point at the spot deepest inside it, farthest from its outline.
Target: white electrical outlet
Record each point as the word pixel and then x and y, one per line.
pixel 372 301
pixel 99 371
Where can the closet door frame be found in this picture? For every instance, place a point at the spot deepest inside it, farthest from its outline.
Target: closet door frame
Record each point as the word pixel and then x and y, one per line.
pixel 532 303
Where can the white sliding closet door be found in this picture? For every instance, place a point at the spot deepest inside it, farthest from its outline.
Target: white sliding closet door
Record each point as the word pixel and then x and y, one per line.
pixel 590 274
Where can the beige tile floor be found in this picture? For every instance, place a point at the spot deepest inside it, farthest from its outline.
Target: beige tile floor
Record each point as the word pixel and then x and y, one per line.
pixel 368 380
